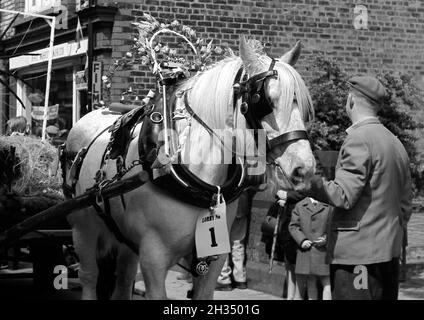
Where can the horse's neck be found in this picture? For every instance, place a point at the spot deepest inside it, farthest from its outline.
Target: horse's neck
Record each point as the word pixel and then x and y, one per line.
pixel 204 156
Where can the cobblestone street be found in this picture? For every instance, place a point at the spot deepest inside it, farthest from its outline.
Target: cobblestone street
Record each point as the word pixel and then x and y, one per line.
pixel 416 230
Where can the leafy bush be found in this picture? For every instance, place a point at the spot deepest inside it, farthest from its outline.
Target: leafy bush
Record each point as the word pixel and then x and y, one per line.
pixel 402 114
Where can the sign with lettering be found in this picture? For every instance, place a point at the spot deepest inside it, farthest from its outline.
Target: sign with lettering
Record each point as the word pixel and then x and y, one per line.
pixel 59 51
pixel 37 6
pixel 37 112
pixel 97 83
pixel 211 234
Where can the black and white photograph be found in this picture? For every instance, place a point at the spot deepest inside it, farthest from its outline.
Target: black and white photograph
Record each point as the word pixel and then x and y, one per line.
pixel 245 152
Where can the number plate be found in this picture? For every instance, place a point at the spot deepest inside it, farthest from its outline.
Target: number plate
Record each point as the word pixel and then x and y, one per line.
pixel 212 236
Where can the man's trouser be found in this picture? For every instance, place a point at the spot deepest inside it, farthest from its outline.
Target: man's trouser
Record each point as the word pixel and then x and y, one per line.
pixel 238 238
pixel 378 281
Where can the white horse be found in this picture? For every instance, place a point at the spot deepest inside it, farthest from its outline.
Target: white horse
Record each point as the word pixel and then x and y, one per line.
pixel 161 225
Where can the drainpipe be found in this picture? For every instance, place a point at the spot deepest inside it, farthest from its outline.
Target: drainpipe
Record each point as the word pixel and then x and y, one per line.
pixel 4 96
pixel 90 52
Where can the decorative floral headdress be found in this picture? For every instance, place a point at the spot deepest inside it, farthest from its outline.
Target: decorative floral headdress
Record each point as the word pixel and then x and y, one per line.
pixel 147 51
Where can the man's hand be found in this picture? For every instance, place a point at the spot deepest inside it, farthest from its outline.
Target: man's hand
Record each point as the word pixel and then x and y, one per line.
pixel 306 244
pixel 321 241
pixel 282 195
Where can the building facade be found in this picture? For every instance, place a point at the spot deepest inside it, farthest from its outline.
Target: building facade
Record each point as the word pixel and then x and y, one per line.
pixel 363 36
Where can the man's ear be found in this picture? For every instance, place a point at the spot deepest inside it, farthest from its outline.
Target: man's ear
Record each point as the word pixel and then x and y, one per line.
pixel 350 101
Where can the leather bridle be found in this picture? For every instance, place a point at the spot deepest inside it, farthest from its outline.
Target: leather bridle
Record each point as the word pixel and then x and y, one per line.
pixel 256 105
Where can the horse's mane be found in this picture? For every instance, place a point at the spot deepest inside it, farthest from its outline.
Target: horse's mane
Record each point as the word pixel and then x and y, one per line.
pixel 211 92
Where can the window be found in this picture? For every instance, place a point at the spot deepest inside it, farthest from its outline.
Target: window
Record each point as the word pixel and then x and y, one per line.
pixel 60 101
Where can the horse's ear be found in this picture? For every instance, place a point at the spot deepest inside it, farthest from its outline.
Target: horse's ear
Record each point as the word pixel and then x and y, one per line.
pixel 248 55
pixel 292 56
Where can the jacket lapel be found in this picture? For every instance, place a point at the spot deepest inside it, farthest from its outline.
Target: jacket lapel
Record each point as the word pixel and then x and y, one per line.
pixel 315 208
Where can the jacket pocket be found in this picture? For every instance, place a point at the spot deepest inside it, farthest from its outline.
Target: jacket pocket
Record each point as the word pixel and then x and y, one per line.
pixel 347 225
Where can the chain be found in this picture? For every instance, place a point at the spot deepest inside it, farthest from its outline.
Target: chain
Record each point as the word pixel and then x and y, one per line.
pixel 104 183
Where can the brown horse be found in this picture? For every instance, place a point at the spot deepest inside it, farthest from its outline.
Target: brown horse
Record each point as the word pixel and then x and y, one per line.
pixel 160 224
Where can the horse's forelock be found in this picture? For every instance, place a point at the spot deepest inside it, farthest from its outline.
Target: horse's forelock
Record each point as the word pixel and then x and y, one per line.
pixel 211 92
pixel 292 85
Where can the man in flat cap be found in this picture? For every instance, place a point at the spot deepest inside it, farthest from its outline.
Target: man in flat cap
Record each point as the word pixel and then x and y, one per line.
pixel 372 197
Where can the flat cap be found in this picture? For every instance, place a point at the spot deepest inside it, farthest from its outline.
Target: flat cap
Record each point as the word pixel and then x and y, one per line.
pixel 369 87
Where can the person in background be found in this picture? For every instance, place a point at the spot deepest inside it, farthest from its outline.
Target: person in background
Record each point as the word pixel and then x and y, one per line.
pixel 288 200
pixel 17 126
pixel 372 199
pixel 308 227
pixel 233 273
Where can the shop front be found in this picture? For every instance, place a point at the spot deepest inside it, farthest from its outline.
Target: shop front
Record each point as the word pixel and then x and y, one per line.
pixel 82 48
pixel 68 87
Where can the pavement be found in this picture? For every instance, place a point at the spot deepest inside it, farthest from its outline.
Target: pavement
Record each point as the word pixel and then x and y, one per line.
pixel 22 288
pixel 416 230
pixel 412 289
pixel 177 290
pixel 262 285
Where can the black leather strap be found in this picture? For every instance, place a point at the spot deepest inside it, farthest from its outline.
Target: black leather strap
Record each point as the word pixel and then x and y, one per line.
pixel 263 76
pixel 288 137
pixel 106 216
pixel 199 120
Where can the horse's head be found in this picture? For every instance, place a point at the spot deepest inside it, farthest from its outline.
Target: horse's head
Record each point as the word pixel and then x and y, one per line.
pixel 286 106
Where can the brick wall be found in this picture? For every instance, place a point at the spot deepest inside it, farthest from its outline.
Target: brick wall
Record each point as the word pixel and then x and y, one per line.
pixel 5 18
pixel 393 40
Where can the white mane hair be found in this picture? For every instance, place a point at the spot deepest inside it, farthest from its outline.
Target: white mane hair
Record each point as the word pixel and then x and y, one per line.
pixel 211 92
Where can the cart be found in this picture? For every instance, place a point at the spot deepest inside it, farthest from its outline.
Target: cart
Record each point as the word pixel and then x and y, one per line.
pixel 46 232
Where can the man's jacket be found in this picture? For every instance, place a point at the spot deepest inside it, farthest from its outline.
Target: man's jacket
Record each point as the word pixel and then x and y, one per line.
pixel 371 194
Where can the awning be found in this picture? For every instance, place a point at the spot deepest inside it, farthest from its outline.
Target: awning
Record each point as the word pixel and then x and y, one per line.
pixel 63 50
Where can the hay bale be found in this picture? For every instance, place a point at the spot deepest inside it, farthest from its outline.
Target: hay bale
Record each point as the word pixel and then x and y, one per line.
pixel 31 173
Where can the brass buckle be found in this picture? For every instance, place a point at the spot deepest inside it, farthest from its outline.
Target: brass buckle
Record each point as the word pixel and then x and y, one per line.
pixel 156 117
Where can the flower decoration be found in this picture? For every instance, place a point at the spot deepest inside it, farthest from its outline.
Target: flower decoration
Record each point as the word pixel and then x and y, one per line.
pixel 148 51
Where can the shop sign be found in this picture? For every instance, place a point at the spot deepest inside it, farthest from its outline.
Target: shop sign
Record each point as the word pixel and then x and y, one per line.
pixel 37 6
pixel 59 51
pixel 37 112
pixel 80 81
pixel 97 83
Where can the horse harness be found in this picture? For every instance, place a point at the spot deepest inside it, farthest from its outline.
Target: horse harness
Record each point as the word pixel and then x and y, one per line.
pixel 179 181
